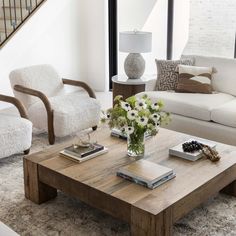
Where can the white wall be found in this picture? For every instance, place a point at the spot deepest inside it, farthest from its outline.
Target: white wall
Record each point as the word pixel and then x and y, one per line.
pixel 146 16
pixel 212 28
pixel 69 34
pixel 95 46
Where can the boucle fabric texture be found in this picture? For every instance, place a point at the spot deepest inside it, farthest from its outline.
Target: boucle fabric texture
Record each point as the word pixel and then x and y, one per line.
pixel 72 112
pixel 39 77
pixel 167 74
pixel 66 216
pixel 15 135
pixel 194 79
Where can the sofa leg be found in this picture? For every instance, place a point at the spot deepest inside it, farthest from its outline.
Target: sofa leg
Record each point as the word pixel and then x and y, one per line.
pixel 26 152
pixel 94 128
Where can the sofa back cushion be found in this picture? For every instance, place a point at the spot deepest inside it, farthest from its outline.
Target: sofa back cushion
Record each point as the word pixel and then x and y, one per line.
pixel 224 80
pixel 40 77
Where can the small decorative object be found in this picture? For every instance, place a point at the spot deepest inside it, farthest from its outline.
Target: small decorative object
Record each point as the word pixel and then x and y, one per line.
pixel 136 117
pixel 207 151
pixel 82 139
pixel 135 42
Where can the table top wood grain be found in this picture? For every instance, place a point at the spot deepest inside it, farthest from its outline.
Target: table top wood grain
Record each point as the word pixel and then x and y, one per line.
pixel 96 183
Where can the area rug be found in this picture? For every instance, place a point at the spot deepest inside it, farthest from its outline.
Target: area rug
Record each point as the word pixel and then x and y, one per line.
pixel 68 216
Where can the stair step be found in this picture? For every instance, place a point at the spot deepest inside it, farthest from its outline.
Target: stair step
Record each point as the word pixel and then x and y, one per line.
pixel 9 13
pixel 2 37
pixel 8 18
pixel 2 31
pixel 19 3
pixel 8 23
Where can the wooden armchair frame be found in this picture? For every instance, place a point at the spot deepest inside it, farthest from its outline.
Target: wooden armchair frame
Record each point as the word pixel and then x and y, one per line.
pixel 20 107
pixel 47 104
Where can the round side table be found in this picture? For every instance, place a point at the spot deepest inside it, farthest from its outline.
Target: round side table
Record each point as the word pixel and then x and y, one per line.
pixel 127 87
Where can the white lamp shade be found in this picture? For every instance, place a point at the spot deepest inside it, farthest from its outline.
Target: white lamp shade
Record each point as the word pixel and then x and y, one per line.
pixel 135 42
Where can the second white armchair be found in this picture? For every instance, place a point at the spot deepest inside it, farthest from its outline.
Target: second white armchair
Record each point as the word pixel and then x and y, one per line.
pixel 49 106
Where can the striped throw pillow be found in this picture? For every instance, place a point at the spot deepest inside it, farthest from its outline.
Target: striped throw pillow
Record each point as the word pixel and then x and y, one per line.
pixel 194 79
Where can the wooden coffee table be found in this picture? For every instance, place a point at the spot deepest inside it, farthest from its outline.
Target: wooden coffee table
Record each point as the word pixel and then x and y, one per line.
pixel 149 212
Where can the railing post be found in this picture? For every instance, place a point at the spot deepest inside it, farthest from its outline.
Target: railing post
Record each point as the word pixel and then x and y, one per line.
pixel 15 22
pixel 10 12
pixel 4 16
pixel 21 14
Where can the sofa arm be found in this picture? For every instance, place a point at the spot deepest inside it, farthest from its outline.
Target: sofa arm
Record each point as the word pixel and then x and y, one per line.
pixel 151 85
pixel 16 103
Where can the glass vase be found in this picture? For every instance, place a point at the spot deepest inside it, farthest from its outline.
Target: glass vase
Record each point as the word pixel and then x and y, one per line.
pixel 136 145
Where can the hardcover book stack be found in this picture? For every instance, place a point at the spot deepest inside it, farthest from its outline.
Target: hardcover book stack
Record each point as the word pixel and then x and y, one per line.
pixel 80 153
pixel 146 173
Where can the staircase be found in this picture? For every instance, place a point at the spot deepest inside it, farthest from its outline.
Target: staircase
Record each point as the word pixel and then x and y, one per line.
pixel 13 13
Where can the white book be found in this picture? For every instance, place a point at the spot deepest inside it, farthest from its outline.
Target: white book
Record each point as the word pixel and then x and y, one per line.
pixel 146 172
pixel 78 159
pixel 179 152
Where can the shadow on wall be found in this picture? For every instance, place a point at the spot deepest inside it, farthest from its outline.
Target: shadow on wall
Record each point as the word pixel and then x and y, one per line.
pixel 135 11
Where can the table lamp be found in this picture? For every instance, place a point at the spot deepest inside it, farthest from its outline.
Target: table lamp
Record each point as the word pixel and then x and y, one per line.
pixel 135 42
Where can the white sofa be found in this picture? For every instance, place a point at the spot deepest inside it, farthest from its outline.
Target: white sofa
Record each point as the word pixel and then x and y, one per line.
pixel 6 231
pixel 15 132
pixel 211 116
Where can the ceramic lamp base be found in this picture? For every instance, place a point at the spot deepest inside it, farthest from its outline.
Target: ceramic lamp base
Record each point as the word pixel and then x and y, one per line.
pixel 134 66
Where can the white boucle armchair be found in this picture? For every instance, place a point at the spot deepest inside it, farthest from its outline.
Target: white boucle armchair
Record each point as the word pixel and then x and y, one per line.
pixel 49 106
pixel 15 132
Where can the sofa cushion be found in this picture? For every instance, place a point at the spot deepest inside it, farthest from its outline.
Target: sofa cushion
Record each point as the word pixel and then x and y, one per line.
pixel 72 112
pixel 15 135
pixel 225 79
pixel 225 114
pixel 193 105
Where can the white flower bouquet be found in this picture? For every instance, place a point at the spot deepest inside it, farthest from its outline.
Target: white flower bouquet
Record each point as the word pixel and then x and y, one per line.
pixel 136 117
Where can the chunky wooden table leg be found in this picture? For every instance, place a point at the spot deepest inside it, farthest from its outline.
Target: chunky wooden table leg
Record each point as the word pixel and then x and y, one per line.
pixel 36 191
pixel 230 189
pixel 144 223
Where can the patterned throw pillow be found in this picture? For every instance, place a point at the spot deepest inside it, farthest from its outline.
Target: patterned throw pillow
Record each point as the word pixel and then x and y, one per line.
pixel 167 75
pixel 193 79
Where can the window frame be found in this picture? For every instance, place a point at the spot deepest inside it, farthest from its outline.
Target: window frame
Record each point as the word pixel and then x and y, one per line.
pixel 112 34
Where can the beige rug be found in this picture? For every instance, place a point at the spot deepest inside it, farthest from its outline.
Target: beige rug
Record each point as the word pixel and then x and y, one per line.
pixel 69 216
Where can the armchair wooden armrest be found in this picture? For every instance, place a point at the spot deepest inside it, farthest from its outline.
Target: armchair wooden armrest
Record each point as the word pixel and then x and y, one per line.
pixel 47 104
pixel 80 84
pixel 16 103
pixel 36 93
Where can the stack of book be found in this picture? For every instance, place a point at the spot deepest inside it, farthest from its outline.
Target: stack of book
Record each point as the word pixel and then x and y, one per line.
pixel 80 154
pixel 146 173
